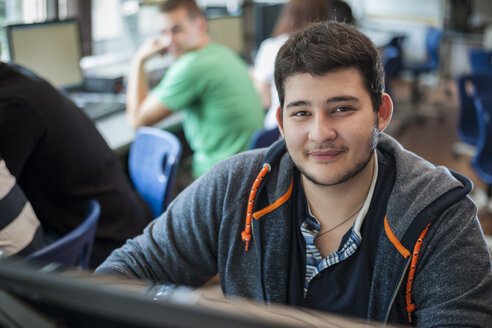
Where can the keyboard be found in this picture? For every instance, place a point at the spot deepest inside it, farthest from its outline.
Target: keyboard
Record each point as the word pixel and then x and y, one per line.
pixel 99 110
pixel 99 105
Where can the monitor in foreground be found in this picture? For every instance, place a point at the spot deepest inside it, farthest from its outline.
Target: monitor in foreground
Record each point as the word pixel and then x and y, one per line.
pixel 31 296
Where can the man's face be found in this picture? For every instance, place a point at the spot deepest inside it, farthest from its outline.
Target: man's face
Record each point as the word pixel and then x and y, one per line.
pixel 329 125
pixel 182 32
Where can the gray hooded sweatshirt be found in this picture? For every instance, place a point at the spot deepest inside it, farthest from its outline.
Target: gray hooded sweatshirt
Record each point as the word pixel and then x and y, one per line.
pixel 199 235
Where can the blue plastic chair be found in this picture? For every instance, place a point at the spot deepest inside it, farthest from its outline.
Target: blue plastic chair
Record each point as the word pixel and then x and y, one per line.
pixel 482 162
pixel 431 64
pixel 264 138
pixel 397 41
pixel 392 63
pixel 480 60
pixel 152 164
pixel 74 249
pixel 468 131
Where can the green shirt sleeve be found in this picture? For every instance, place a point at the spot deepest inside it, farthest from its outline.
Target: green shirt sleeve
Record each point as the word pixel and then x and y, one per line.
pixel 178 89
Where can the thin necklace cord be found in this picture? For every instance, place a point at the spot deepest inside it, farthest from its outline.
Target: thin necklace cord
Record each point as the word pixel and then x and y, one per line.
pixel 339 224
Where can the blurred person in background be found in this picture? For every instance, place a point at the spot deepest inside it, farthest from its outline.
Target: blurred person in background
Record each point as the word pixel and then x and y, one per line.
pixel 61 162
pixel 207 82
pixel 295 15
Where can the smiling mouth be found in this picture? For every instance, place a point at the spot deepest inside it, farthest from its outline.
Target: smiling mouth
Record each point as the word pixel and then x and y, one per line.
pixel 325 154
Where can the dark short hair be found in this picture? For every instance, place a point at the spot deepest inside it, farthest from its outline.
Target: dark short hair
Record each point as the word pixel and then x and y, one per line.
pixel 329 46
pixel 190 5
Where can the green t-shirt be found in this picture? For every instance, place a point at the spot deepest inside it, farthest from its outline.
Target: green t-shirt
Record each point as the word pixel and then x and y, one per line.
pixel 211 86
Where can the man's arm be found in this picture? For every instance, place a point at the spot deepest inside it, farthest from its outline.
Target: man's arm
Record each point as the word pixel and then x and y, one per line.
pixel 143 108
pixel 178 247
pixel 21 132
pixel 453 282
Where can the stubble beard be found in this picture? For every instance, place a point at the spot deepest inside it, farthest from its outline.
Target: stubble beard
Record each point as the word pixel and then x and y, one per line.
pixel 357 168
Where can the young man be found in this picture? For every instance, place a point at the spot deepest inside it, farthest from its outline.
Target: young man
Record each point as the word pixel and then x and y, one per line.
pixel 339 218
pixel 207 82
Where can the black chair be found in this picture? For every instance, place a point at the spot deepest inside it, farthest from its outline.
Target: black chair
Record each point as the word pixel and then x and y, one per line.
pixel 74 249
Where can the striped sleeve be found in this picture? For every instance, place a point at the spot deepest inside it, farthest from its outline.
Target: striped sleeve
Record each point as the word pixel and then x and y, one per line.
pixel 20 230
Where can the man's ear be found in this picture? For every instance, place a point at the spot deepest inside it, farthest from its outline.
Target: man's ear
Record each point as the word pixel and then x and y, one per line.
pixel 280 121
pixel 202 24
pixel 385 111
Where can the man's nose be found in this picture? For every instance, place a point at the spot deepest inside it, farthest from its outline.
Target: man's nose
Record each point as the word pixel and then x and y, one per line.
pixel 322 129
pixel 172 38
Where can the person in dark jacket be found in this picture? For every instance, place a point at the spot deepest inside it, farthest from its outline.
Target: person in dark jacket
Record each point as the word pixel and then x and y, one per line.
pixel 20 231
pixel 61 162
pixel 337 216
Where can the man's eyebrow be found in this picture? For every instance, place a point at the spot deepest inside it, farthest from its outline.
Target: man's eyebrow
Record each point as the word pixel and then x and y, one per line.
pixel 342 98
pixel 299 103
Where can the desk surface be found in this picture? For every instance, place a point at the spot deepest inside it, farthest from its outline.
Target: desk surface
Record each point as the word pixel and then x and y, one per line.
pixel 119 134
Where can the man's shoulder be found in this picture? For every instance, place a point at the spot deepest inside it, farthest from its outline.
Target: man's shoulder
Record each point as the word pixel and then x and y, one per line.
pixel 195 61
pixel 418 184
pixel 213 53
pixel 244 164
pixel 245 167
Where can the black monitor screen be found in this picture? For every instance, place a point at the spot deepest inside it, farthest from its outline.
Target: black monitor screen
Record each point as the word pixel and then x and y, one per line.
pixel 33 296
pixel 50 49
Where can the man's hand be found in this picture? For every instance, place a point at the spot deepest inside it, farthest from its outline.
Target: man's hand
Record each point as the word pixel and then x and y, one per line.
pixel 141 107
pixel 152 47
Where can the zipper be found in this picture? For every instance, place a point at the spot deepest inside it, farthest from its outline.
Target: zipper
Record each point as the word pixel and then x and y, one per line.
pixel 395 293
pixel 258 260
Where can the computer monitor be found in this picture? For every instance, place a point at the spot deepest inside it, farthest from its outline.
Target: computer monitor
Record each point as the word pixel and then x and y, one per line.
pixel 32 296
pixel 227 30
pixel 259 21
pixel 265 18
pixel 51 49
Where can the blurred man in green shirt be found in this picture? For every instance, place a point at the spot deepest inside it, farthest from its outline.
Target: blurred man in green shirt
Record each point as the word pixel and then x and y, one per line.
pixel 208 83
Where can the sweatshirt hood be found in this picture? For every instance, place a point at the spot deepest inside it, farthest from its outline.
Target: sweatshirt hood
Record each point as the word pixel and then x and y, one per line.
pixel 419 186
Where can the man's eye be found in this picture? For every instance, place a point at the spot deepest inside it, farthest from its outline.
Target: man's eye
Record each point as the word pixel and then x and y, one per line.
pixel 342 109
pixel 301 113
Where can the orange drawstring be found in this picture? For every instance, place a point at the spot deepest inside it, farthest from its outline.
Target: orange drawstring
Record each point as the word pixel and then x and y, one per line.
pixel 246 234
pixel 408 298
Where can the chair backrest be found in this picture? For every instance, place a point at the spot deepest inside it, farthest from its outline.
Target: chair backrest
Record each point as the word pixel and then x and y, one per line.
pixel 74 249
pixel 397 41
pixel 264 138
pixel 152 164
pixel 467 120
pixel 482 82
pixel 392 63
pixel 480 60
pixel 482 161
pixel 432 43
